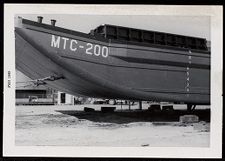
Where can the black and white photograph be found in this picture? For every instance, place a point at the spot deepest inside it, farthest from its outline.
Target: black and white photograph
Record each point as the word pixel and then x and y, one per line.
pixel 140 81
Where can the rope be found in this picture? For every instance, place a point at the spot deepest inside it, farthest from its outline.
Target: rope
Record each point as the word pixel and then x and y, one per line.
pixel 40 81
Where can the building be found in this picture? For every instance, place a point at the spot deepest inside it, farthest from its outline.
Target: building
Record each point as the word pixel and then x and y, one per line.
pixel 67 99
pixel 27 92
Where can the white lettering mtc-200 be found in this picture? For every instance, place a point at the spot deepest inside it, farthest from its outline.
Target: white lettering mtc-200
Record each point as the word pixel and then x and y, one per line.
pixel 74 45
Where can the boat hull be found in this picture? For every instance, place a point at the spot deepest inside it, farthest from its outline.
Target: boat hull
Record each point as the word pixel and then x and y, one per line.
pixel 109 69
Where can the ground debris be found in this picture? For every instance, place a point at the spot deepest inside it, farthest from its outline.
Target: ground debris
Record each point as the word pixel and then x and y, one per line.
pixel 145 145
pixel 64 126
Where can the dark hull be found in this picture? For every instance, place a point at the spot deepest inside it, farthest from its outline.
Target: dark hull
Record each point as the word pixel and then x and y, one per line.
pixel 127 72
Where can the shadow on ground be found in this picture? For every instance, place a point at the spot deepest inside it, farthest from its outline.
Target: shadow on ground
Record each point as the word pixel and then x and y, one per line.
pixel 126 116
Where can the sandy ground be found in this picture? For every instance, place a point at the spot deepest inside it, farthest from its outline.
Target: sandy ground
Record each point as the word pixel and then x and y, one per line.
pixel 44 125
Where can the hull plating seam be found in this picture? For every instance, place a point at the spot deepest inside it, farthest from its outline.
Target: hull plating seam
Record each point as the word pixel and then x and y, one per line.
pixel 119 66
pixel 163 62
pixel 158 91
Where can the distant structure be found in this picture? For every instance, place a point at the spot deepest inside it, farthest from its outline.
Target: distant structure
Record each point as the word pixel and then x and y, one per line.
pixel 64 98
pixel 27 92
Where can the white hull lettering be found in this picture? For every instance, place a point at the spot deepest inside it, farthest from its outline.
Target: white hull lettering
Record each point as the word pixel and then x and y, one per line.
pixel 105 51
pixel 55 43
pixel 74 46
pixel 90 46
pixel 97 50
pixel 65 40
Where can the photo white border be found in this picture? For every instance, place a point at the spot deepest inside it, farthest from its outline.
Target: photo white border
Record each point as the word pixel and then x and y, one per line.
pixel 215 149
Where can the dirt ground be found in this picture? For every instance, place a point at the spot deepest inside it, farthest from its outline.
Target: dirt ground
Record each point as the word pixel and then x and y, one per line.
pixel 60 125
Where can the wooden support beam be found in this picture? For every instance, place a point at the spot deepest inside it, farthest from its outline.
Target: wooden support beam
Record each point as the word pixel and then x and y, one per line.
pixel 140 105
